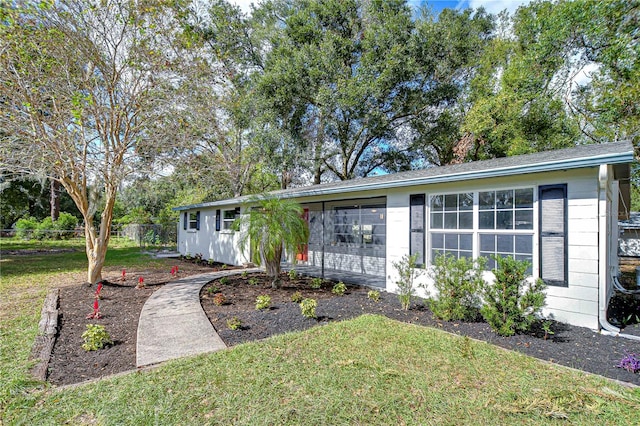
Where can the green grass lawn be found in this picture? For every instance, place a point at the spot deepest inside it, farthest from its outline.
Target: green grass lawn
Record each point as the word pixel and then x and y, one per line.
pixel 370 370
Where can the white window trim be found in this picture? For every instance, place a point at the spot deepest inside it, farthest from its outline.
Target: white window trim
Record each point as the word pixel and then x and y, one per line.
pixel 225 227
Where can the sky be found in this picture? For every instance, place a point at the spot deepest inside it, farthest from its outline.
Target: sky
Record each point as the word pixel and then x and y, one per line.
pixel 492 6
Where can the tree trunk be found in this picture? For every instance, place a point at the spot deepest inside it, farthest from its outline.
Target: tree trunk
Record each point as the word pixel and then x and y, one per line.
pixel 98 242
pixel 54 199
pixel 272 269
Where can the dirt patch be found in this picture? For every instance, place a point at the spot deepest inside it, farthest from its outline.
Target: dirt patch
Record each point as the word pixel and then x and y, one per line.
pixel 121 306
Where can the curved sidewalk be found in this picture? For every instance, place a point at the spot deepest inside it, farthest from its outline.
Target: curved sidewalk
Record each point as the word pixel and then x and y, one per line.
pixel 173 324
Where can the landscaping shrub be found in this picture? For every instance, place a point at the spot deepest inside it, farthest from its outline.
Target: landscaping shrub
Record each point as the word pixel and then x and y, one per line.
pixel 308 308
pixel 511 303
pixel 339 289
pixel 96 337
pixel 293 274
pixel 316 283
pixel 630 362
pixel 234 323
pixel 373 295
pixel 219 299
pixel 25 227
pixel 296 297
pixel 263 301
pixel 458 283
pixel 407 271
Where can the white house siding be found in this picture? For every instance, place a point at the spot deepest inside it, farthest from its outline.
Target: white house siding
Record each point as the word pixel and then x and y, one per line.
pixel 576 304
pixel 220 246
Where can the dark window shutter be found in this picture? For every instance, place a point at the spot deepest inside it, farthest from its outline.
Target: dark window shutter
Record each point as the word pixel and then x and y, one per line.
pixel 186 220
pixel 198 220
pixel 417 224
pixel 218 220
pixel 553 234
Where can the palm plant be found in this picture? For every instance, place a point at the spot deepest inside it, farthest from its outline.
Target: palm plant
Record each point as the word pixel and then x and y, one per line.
pixel 270 227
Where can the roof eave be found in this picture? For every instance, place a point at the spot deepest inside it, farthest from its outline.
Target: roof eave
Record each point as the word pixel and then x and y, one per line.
pixel 593 161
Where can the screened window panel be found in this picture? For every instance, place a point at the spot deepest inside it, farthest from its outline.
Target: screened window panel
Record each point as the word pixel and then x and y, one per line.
pixel 417 210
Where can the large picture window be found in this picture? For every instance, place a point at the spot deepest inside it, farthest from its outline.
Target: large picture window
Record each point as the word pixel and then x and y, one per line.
pixel 486 223
pixel 359 226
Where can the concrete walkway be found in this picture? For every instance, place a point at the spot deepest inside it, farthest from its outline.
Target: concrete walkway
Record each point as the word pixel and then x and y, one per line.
pixel 173 324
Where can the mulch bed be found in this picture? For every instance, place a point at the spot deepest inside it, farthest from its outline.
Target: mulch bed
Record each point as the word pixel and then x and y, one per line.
pixel 121 306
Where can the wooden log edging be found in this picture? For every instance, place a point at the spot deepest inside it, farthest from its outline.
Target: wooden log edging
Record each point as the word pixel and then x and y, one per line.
pixel 47 333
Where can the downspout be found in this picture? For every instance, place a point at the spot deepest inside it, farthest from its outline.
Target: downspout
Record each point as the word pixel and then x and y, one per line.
pixel 603 255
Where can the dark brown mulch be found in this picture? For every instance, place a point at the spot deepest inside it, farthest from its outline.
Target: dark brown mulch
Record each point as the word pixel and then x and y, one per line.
pixel 121 305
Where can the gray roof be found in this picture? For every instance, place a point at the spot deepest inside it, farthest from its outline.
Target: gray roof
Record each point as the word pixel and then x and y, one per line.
pixel 562 159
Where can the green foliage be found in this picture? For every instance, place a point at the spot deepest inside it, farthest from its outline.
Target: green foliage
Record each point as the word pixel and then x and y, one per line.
pixel 272 226
pixel 213 289
pixel 244 274
pixel 224 280
pixel 234 323
pixel 263 301
pixel 253 281
pixel 339 288
pixel 373 295
pixel 407 273
pixel 511 303
pixel 47 229
pixel 293 274
pixel 308 308
pixel 296 297
pixel 458 283
pixel 316 283
pixel 25 227
pixel 95 337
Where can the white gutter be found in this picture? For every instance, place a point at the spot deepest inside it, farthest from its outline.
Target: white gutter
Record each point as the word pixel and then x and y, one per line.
pixel 603 255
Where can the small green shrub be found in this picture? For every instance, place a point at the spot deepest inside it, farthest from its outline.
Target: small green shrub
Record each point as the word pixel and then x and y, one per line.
pixel 512 303
pixel 339 289
pixel 407 273
pixel 253 281
pixel 210 262
pixel 95 337
pixel 373 295
pixel 263 301
pixel 234 323
pixel 244 274
pixel 458 283
pixel 316 283
pixel 224 280
pixel 308 308
pixel 213 289
pixel 296 297
pixel 293 274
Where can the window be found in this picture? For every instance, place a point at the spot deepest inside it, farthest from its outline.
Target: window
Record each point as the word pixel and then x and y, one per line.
pixel 191 220
pixel 452 212
pixel 417 203
pixel 359 226
pixel 228 217
pixel 517 246
pixel 506 209
pixel 553 235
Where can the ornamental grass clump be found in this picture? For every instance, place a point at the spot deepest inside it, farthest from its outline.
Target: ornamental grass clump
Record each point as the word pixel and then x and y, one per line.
pixel 407 273
pixel 512 303
pixel 458 283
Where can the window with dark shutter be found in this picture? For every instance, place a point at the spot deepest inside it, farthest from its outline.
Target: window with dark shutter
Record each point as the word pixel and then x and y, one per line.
pixel 197 221
pixel 218 220
pixel 553 234
pixel 417 220
pixel 185 220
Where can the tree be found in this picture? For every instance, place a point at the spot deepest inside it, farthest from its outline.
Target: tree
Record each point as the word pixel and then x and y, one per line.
pixel 83 84
pixel 270 227
pixel 336 77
